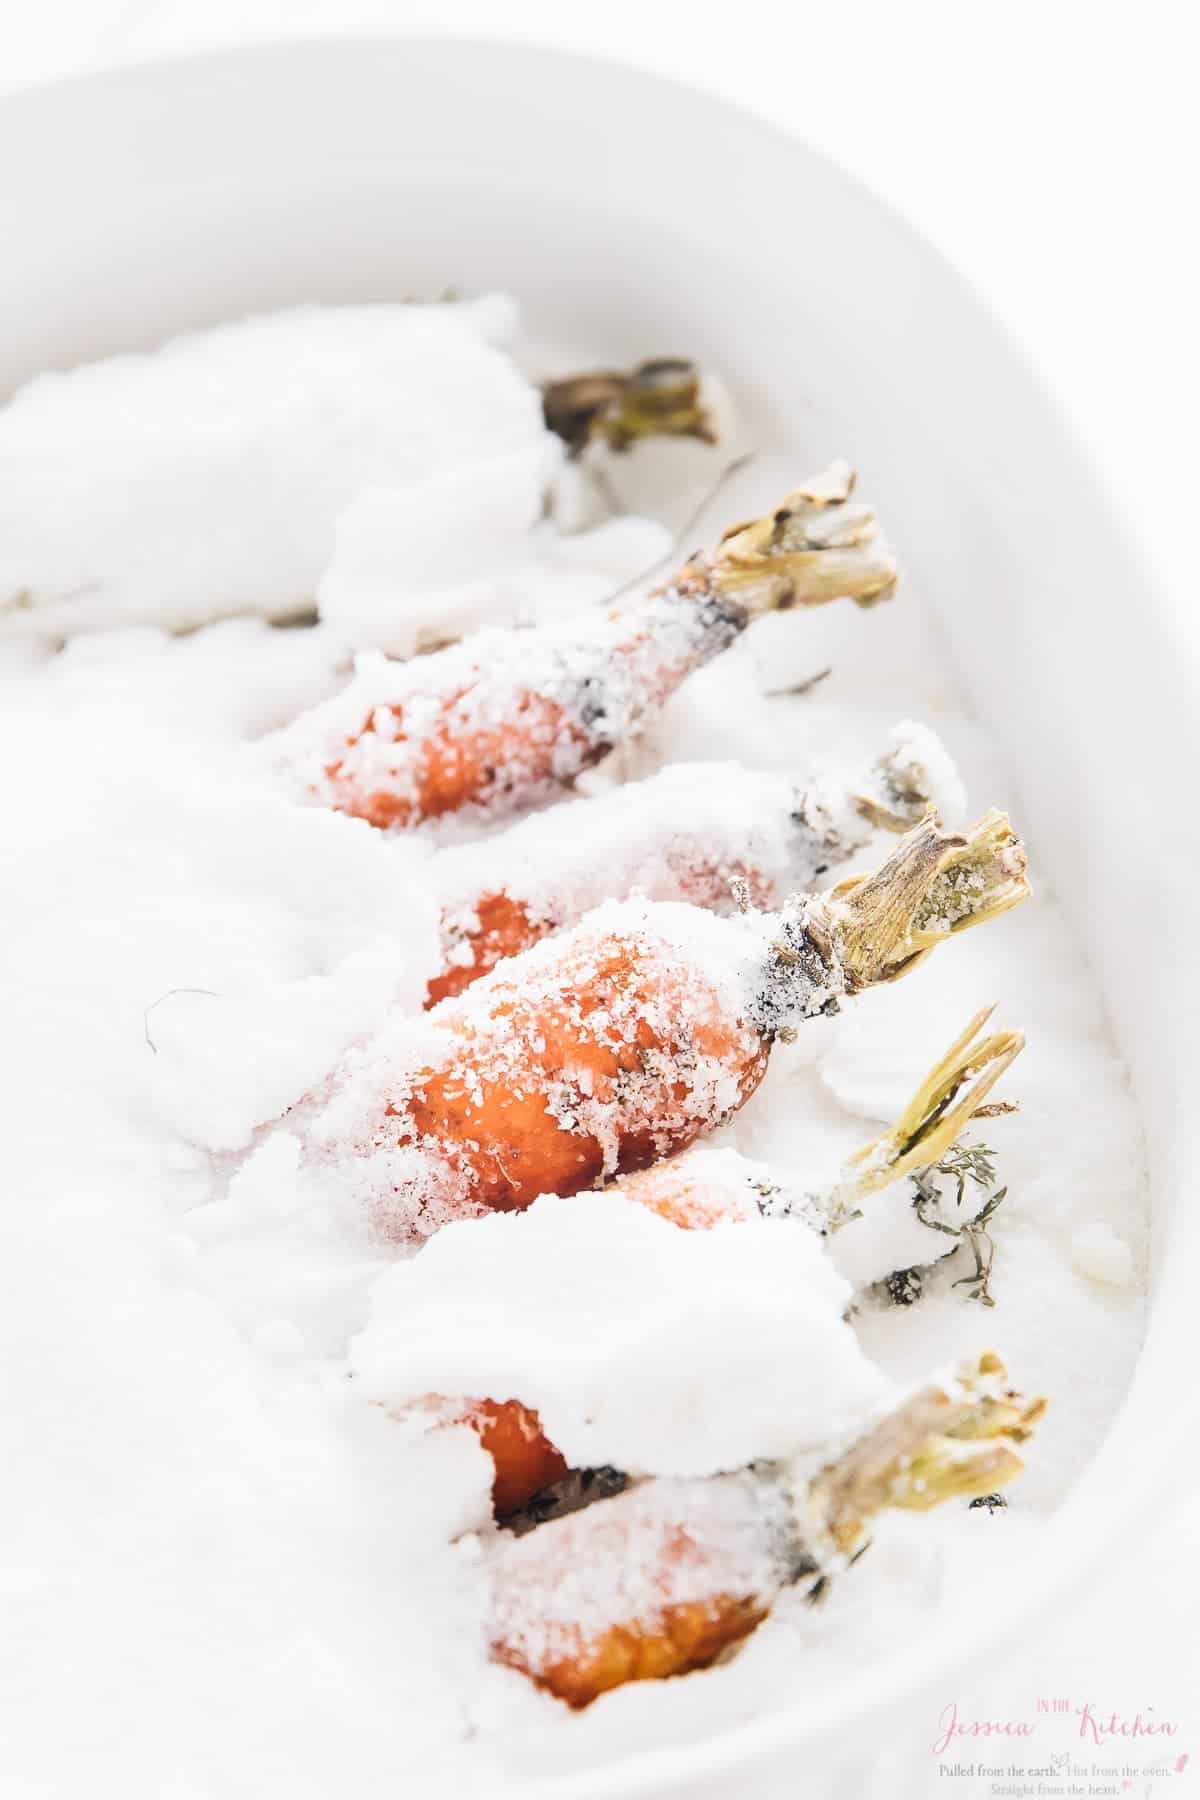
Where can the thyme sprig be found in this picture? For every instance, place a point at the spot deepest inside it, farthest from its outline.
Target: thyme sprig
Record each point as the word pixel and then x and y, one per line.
pixel 961 1164
pixel 983 1248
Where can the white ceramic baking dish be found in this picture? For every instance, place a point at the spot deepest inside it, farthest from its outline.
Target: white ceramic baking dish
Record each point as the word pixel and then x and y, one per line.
pixel 628 213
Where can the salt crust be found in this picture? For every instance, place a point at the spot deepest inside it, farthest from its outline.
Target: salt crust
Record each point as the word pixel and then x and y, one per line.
pixel 181 1282
pixel 675 1352
pixel 236 450
pixel 691 966
pixel 596 677
pixel 629 1566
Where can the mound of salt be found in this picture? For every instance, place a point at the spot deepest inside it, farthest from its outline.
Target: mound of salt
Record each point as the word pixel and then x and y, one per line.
pixel 674 1352
pixel 205 479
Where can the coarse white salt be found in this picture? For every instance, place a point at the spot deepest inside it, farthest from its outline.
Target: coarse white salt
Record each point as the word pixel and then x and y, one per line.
pixel 233 452
pixel 654 1350
pixel 415 565
pixel 279 1337
pixel 406 577
pixel 192 1456
pixel 1101 1255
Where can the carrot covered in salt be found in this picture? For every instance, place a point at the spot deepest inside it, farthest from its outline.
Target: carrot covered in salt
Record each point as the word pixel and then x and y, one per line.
pixel 703 1188
pixel 633 1034
pixel 665 1576
pixel 507 719
pixel 696 832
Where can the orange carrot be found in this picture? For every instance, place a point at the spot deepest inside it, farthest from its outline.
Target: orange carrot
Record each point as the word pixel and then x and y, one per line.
pixel 662 1578
pixel 508 718
pixel 592 1053
pixel 628 1037
pixel 524 1459
pixel 498 926
pixel 654 1582
pixel 692 832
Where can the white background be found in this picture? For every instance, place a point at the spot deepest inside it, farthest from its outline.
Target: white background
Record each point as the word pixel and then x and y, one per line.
pixel 1052 152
